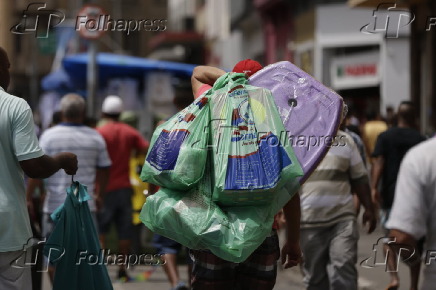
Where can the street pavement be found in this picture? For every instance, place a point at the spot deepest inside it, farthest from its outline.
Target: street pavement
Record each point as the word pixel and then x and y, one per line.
pixel 374 278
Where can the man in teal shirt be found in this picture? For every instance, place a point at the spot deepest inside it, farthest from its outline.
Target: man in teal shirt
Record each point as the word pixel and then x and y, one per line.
pixel 19 153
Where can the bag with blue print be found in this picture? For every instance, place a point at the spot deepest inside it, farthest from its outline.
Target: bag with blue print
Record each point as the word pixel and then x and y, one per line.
pixel 178 149
pixel 252 155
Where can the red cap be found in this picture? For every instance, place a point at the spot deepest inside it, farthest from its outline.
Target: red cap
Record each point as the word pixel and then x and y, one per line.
pixel 247 66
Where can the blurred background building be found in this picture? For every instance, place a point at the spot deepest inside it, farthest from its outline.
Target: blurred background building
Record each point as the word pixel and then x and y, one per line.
pixel 422 56
pixel 370 69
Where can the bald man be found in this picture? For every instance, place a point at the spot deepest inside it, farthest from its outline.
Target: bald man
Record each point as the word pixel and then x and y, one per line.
pixel 391 146
pixel 19 152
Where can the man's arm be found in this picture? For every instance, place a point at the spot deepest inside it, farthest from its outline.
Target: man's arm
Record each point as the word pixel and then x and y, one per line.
pixel 405 245
pixel 204 75
pixel 360 186
pixel 141 145
pixel 29 153
pixel 378 164
pixel 363 192
pixel 45 166
pixel 291 252
pixel 376 173
pixel 411 209
pixel 32 185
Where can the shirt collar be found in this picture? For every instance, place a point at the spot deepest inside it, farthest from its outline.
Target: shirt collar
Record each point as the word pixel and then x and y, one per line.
pixel 71 124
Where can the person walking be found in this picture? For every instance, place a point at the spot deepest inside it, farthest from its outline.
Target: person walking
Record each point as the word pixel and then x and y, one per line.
pixel 370 131
pixel 413 213
pixel 329 232
pixel 259 270
pixel 390 148
pixel 122 141
pixel 20 153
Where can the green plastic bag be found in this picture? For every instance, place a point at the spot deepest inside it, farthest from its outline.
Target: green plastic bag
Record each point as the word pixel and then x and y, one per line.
pixel 73 242
pixel 252 155
pixel 178 149
pixel 195 221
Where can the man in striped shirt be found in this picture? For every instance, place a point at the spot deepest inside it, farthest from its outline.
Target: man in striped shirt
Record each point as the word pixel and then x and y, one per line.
pixel 329 232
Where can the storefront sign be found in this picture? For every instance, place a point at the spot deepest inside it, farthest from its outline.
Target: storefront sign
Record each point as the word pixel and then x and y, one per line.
pixel 355 71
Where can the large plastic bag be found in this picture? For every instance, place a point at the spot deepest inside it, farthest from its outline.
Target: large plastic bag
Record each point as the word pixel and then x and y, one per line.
pixel 73 242
pixel 194 220
pixel 178 149
pixel 251 151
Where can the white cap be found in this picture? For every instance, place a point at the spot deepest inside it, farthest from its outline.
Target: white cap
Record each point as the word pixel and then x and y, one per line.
pixel 112 105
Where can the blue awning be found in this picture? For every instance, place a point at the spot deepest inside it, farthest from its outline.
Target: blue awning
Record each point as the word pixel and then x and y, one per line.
pixel 115 65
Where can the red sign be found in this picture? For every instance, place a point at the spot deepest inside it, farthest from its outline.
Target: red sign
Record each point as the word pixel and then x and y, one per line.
pixel 90 21
pixel 358 70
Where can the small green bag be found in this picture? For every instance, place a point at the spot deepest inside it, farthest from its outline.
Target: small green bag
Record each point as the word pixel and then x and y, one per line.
pixel 178 149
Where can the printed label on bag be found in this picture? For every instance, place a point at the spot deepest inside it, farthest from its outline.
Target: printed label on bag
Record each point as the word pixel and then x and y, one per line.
pixel 165 151
pixel 257 170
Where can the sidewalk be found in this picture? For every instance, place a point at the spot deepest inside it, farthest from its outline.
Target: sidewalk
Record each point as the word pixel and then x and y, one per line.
pixel 286 279
pixel 369 279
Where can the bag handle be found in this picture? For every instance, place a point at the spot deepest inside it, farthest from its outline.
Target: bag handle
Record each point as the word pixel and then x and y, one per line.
pixel 230 79
pixel 79 191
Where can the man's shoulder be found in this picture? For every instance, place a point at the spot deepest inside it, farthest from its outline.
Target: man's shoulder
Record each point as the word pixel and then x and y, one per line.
pixel 425 149
pixel 65 130
pixel 12 102
pixel 108 127
pixel 347 134
pixel 52 131
pixel 345 138
pixel 421 158
pixel 126 129
pixel 91 133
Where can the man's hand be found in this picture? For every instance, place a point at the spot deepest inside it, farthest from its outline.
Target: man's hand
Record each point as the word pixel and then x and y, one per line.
pixel 68 162
pixel 291 254
pixel 370 218
pixel 204 75
pixel 31 210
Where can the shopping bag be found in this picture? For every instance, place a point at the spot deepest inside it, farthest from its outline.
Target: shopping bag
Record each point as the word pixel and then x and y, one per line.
pixel 194 220
pixel 73 246
pixel 178 148
pixel 252 156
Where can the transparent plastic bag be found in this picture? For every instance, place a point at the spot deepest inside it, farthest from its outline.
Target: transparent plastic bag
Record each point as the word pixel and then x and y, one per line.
pixel 178 149
pixel 251 152
pixel 195 221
